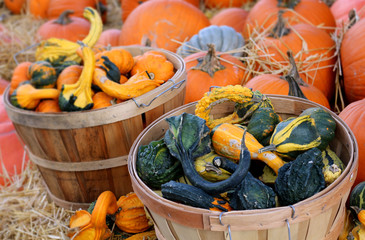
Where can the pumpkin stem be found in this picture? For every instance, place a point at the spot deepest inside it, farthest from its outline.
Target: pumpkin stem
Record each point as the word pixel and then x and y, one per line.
pixel 293 78
pixel 280 28
pixel 210 64
pixel 288 3
pixel 64 18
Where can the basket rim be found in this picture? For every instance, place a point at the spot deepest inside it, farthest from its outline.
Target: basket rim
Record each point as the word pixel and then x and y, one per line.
pixel 346 179
pixel 110 114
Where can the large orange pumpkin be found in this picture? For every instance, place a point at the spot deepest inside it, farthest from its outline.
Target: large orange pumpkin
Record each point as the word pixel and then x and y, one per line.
pixel 354 116
pixel 66 27
pixel 291 84
pixel 11 148
pixel 313 49
pixel 265 14
pixel 205 69
pixel 353 62
pixel 162 21
pixel 218 4
pixel 233 17
pixel 129 5
pixel 38 8
pixel 341 8
pixel 56 7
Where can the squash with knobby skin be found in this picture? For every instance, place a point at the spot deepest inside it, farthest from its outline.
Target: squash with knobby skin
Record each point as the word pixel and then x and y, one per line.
pixel 252 194
pixel 324 123
pixel 357 196
pixel 155 165
pixel 188 138
pixel 262 124
pixel 293 136
pixel 42 74
pixel 306 168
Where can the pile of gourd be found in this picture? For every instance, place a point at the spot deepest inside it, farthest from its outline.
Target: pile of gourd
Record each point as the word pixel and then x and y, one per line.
pixel 250 159
pixel 76 76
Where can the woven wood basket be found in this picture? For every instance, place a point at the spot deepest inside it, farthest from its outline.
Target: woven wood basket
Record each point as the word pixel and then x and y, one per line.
pixel 316 218
pixel 82 154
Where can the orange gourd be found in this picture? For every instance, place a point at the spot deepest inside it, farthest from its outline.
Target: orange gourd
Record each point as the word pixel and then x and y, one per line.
pixel 205 69
pixel 290 84
pixel 66 27
pixel 121 58
pixel 353 115
pixel 69 75
pixel 264 15
pixel 162 21
pixel 155 65
pixel 102 100
pixel 132 217
pixel 233 17
pixel 20 74
pixel 48 106
pixel 353 62
pixel 312 48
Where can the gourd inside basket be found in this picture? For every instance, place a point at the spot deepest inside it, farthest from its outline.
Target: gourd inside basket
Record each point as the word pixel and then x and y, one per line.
pixel 318 217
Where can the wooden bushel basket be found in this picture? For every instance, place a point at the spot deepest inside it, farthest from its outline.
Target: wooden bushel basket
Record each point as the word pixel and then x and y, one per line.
pixel 316 218
pixel 81 154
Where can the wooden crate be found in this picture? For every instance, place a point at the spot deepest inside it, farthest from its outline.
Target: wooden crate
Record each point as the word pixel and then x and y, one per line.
pixel 81 154
pixel 316 218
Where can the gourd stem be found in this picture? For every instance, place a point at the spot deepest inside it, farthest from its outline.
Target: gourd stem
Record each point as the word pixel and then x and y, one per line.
pixel 280 28
pixel 271 148
pixel 210 64
pixel 288 3
pixel 293 79
pixel 64 18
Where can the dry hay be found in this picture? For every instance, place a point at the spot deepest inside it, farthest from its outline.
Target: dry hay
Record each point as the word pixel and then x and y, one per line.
pixel 21 31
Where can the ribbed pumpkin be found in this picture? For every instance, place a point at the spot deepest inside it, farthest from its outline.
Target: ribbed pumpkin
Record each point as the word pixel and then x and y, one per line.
pixel 56 7
pixel 160 21
pixel 205 69
pixel 69 75
pixel 66 27
pixel 354 116
pixel 132 217
pixel 129 5
pixel 109 37
pixel 290 84
pixel 15 6
pixel 38 8
pixel 233 17
pixel 341 8
pixel 225 3
pixel 265 13
pixel 20 74
pixel 313 49
pixel 224 38
pixel 353 62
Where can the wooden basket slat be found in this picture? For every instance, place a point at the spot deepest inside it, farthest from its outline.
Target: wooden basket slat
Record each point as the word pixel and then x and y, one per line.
pixel 180 230
pixel 162 224
pixel 121 180
pixel 113 135
pixel 153 114
pixel 323 210
pixel 52 143
pixel 29 138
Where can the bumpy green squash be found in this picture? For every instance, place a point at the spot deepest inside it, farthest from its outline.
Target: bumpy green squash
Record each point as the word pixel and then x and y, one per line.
pixel 262 124
pixel 155 165
pixel 252 194
pixel 357 196
pixel 293 136
pixel 42 74
pixel 301 178
pixel 324 123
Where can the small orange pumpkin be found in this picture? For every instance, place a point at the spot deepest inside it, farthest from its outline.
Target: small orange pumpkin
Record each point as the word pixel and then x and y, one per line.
pixel 102 100
pixel 233 17
pixel 48 106
pixel 66 27
pixel 15 6
pixel 122 59
pixel 132 217
pixel 155 64
pixel 69 75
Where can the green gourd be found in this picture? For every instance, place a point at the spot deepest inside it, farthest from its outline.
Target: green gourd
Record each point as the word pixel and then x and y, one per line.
pixel 300 178
pixel 155 165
